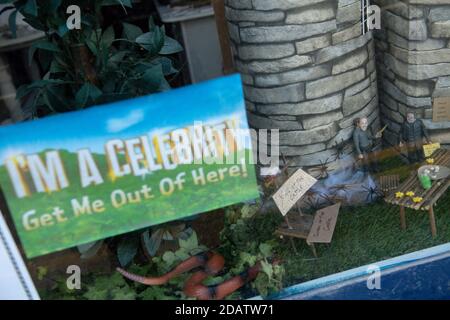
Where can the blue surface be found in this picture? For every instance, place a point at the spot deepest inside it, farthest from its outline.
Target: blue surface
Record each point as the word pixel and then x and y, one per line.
pixel 430 280
pixel 423 274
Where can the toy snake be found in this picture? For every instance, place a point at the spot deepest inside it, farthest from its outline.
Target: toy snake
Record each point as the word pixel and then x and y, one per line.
pixel 211 264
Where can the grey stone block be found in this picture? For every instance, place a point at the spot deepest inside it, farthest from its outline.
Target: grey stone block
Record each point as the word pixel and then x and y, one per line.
pixel 293 76
pixel 290 93
pixel 267 51
pixel 328 85
pixel 309 107
pixel 313 44
pixel 285 33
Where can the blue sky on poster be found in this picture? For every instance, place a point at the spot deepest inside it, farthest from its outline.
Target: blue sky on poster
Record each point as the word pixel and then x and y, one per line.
pixel 211 102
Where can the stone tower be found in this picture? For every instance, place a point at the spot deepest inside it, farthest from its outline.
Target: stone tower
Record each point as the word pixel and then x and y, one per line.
pixel 307 70
pixel 413 58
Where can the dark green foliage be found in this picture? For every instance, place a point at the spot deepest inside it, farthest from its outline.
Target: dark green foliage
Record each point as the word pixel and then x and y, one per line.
pixel 96 64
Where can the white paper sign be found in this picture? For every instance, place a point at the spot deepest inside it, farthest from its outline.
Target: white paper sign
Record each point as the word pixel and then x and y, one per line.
pixel 292 190
pixel 15 281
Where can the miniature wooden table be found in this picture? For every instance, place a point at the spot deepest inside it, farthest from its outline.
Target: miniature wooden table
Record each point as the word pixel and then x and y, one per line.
pixel 430 197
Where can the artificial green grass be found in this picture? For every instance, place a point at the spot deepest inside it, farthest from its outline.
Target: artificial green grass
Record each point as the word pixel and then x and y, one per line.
pixel 367 234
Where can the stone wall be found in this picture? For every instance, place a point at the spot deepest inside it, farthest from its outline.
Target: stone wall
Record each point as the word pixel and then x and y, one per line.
pixel 307 70
pixel 413 59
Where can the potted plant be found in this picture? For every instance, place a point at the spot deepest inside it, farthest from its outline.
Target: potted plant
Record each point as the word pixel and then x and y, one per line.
pixel 96 63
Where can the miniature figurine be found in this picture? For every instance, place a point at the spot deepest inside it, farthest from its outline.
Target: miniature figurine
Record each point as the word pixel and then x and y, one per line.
pixel 364 144
pixel 413 133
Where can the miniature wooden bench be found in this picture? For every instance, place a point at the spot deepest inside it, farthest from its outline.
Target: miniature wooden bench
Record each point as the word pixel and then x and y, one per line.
pixel 430 197
pixel 299 227
pixel 389 183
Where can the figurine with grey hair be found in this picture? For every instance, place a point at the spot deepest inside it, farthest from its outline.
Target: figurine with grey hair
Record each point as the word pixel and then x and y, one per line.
pixel 364 142
pixel 413 134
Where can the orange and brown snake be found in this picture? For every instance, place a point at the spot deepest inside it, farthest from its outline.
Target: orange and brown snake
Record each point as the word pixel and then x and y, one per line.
pixel 211 263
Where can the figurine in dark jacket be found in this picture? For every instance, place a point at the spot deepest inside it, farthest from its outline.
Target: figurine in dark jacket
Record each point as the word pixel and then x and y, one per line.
pixel 364 142
pixel 413 133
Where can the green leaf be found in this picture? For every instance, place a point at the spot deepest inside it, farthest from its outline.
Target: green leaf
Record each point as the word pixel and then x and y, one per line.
pixel 127 250
pixel 151 41
pixel 108 37
pixel 154 293
pixel 153 76
pixel 41 272
pixel 124 293
pixel 22 91
pixel 265 249
pixel 55 100
pixel 181 254
pixel 12 23
pixel 118 57
pixel 54 5
pixel 46 82
pixel 164 86
pixel 92 46
pixel 43 45
pixel 90 249
pixel 95 294
pixel 267 269
pixel 185 234
pixel 87 93
pixel 167 236
pixel 130 31
pixel 169 257
pixel 166 64
pixel 31 8
pixel 55 67
pixel 213 281
pixel 151 24
pixel 123 3
pixel 62 30
pixel 170 46
pixel 111 97
pixel 190 243
pixel 247 258
pixel 153 243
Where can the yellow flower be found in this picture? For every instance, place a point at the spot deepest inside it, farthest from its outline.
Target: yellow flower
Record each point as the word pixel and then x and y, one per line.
pixel 410 194
pixel 417 199
pixel 399 195
pixel 430 161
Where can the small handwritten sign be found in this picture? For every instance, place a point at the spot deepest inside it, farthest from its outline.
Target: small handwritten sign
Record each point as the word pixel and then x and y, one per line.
pixel 441 109
pixel 323 225
pixel 429 149
pixel 292 190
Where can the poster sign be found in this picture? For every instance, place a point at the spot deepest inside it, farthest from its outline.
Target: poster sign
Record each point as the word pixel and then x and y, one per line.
pixel 78 177
pixel 441 109
pixel 323 225
pixel 15 281
pixel 292 190
pixel 429 149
